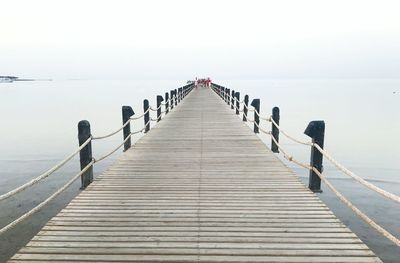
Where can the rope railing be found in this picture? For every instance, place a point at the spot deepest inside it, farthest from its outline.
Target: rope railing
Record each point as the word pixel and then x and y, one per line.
pixel 113 133
pixel 175 99
pixel 346 171
pixel 140 116
pixel 45 174
pixel 341 167
pixel 358 212
pixel 289 136
pixel 45 202
pixel 152 109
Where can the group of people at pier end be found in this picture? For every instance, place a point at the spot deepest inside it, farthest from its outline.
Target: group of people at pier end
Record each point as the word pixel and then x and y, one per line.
pixel 206 82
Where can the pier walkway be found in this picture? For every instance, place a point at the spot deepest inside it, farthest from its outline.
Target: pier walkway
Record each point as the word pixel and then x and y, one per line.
pixel 199 187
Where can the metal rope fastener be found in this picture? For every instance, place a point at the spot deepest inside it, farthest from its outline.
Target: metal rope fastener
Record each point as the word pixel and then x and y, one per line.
pixel 45 174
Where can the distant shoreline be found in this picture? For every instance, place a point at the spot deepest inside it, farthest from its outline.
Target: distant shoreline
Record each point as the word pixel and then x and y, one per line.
pixel 10 79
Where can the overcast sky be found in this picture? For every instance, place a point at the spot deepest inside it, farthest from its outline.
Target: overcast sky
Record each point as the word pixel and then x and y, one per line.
pixel 169 39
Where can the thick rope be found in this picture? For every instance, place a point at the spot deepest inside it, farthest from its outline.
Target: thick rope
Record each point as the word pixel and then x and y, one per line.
pixel 113 133
pixel 45 202
pixel 151 108
pixel 119 146
pixel 45 174
pixel 114 150
pixel 346 171
pixel 138 117
pixel 288 136
pixel 357 211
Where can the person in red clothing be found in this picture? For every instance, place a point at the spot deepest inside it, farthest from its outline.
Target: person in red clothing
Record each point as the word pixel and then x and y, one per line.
pixel 208 82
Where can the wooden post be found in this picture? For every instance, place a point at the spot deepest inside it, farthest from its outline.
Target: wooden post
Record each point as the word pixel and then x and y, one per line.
pixel 256 104
pixel 127 112
pixel 232 99
pixel 146 115
pixel 245 107
pixel 176 97
pixel 275 130
pixel 316 130
pixel 159 100
pixel 227 96
pixel 166 103
pixel 237 96
pixel 171 94
pixel 86 153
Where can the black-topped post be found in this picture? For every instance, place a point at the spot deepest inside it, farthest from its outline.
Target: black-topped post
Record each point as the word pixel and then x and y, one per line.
pixel 275 130
pixel 127 113
pixel 171 94
pixel 227 97
pixel 256 104
pixel 316 130
pixel 166 102
pixel 237 96
pixel 146 115
pixel 159 100
pixel 224 94
pixel 176 97
pixel 233 99
pixel 245 107
pixel 86 153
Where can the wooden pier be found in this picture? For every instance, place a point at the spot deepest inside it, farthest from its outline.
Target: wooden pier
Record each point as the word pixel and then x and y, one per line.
pixel 198 187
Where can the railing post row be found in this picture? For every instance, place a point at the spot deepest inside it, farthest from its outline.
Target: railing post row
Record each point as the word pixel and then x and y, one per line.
pixel 316 130
pixel 171 94
pixel 245 107
pixel 166 103
pixel 237 96
pixel 159 101
pixel 176 97
pixel 146 115
pixel 275 130
pixel 85 154
pixel 232 99
pixel 127 113
pixel 256 104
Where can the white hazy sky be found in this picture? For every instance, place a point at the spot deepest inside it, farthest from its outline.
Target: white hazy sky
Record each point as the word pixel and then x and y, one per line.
pixel 181 39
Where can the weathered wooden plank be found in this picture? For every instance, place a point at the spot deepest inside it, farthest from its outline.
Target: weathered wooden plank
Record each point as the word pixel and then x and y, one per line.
pixel 199 187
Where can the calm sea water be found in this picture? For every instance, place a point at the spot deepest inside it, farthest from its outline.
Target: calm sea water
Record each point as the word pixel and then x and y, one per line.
pixel 39 127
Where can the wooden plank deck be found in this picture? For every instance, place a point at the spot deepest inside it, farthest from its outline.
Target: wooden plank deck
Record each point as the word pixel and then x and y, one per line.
pixel 199 187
